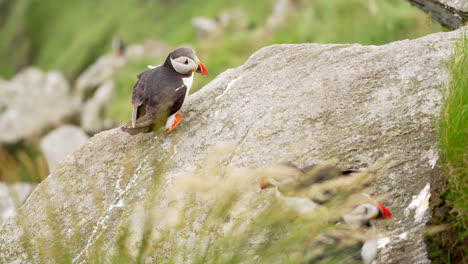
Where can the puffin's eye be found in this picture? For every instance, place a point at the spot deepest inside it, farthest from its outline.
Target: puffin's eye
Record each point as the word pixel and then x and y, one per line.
pixel 186 61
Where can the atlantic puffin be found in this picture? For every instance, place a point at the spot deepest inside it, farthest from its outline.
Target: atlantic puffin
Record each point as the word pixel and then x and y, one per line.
pixel 294 180
pixel 160 91
pixel 362 222
pixel 118 46
pixel 365 215
pixel 287 179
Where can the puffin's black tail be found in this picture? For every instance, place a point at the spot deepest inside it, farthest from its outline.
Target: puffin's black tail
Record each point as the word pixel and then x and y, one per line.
pixel 347 172
pixel 134 131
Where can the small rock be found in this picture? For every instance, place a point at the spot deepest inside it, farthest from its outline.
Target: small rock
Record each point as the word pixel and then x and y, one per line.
pixel 11 197
pixel 93 109
pixel 156 48
pixel 32 102
pixel 134 51
pixel 100 71
pixel 60 142
pixel 205 27
pixel 281 10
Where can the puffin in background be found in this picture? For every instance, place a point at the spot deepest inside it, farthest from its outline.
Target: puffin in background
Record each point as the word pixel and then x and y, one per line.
pixel 289 180
pixel 118 46
pixel 365 216
pixel 161 90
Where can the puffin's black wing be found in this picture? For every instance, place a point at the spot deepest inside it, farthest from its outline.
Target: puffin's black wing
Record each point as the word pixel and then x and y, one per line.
pixel 323 174
pixel 160 88
pixel 179 98
pixel 138 94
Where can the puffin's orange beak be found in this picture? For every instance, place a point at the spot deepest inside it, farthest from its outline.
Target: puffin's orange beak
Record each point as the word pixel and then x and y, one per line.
pixel 202 69
pixel 386 213
pixel 263 183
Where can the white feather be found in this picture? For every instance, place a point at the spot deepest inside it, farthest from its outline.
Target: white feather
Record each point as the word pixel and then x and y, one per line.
pixel 360 214
pixel 369 251
pixel 301 205
pixel 170 121
pixel 188 82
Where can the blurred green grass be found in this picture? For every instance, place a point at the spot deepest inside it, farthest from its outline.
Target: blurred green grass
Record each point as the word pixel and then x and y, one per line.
pixel 70 35
pixel 53 34
pixel 454 135
pixel 453 142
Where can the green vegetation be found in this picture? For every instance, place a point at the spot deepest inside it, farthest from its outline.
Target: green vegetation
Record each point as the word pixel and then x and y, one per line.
pixel 26 164
pixel 69 36
pixel 453 137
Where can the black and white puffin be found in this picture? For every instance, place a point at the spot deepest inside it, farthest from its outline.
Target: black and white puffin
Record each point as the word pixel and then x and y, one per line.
pixel 161 90
pixel 361 237
pixel 287 178
pixel 293 180
pixel 364 215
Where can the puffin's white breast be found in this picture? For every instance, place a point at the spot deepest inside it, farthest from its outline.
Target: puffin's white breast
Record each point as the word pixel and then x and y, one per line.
pixel 188 81
pixel 369 251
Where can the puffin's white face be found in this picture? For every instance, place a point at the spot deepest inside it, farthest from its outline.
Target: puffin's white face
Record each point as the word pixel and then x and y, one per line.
pixel 184 65
pixel 361 214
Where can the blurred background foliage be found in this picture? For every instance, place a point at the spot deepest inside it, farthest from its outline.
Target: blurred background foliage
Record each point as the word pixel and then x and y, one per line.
pixel 70 35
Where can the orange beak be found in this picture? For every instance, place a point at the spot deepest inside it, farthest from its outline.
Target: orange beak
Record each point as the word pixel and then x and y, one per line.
pixel 202 69
pixel 386 213
pixel 263 183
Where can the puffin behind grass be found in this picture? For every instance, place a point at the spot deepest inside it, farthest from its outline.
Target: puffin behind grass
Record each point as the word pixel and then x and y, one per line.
pixel 160 92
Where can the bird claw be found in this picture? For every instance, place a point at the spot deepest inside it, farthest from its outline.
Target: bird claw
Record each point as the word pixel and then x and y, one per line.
pixel 178 119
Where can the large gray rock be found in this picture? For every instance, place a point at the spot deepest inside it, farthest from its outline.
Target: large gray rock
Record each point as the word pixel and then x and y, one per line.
pixel 61 142
pixel 32 102
pixel 304 103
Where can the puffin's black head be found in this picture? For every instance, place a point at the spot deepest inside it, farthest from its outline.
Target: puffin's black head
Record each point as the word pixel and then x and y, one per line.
pixel 184 61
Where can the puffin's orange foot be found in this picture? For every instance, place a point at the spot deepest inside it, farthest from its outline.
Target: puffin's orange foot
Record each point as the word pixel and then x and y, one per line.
pixel 177 120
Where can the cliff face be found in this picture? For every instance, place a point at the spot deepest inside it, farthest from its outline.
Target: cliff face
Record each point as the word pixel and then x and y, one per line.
pixel 303 103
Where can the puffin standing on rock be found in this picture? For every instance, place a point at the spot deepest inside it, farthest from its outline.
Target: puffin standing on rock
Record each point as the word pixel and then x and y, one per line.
pixel 161 91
